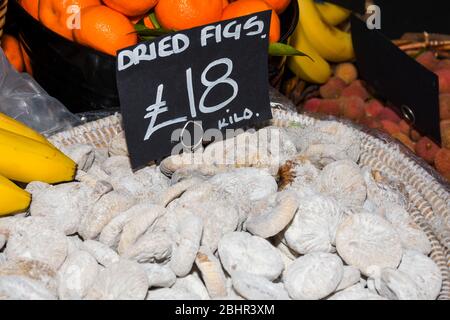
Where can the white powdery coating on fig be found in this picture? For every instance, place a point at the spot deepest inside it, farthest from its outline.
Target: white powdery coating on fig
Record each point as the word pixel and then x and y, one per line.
pixel 110 234
pixel 118 145
pixel 145 185
pixel 192 283
pixel 2 241
pixel 102 253
pixel 246 184
pixel 356 292
pixel 63 205
pixel 314 226
pixel 2 258
pixel 424 272
pixel 253 287
pixel 350 277
pixel 343 181
pixel 275 217
pixel 34 238
pixel 23 288
pixel 218 216
pixel 304 174
pixel 240 251
pixel 177 190
pixel 212 273
pixel 369 243
pixel 32 269
pixel 83 155
pixel 117 164
pixel 151 247
pixel 159 276
pixel 74 243
pixel 413 238
pixel 103 211
pixel 189 229
pixel 326 142
pixel 396 285
pixel 139 223
pixel 124 280
pixel 380 191
pixel 313 276
pixel 7 224
pixel 266 149
pixel 36 187
pixel 76 275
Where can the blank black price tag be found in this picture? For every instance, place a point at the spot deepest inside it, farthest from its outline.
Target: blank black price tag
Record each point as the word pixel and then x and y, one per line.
pixel 214 77
pixel 358 6
pixel 397 77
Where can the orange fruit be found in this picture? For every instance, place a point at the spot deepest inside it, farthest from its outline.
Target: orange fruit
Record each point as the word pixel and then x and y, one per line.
pixel 56 14
pixel 11 47
pixel 186 14
pixel 105 29
pixel 245 7
pixel 136 19
pixel 225 3
pixel 278 5
pixel 147 22
pixel 31 6
pixel 131 7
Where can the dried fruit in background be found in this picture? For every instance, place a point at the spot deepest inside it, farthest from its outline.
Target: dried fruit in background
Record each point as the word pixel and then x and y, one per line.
pixel 333 88
pixel 444 80
pixel 445 134
pixel 426 149
pixel 442 162
pixel 347 72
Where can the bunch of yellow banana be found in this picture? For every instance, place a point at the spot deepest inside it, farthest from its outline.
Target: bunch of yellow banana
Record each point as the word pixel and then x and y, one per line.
pixel 318 37
pixel 26 156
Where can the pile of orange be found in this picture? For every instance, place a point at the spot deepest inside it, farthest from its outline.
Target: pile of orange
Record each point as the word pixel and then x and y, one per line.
pixel 108 25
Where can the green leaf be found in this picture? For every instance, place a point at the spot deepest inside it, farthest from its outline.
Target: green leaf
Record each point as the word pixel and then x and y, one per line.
pixel 153 32
pixel 155 21
pixel 280 49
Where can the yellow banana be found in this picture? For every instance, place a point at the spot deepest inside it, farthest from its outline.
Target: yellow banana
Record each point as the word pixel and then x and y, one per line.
pixel 332 14
pixel 316 70
pixel 12 198
pixel 10 124
pixel 331 43
pixel 26 160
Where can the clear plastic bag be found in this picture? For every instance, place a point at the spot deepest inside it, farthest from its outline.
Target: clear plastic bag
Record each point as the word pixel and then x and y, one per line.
pixel 24 100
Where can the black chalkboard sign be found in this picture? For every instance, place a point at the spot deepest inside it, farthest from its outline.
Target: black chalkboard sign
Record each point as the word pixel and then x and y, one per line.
pixel 212 77
pixel 397 77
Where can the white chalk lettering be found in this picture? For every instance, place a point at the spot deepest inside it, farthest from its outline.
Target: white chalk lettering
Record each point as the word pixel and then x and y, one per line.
pixel 211 84
pixel 236 33
pixel 147 52
pixel 156 109
pixel 206 34
pixel 251 23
